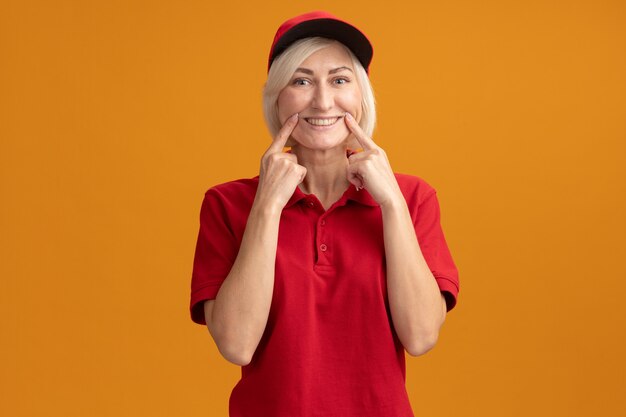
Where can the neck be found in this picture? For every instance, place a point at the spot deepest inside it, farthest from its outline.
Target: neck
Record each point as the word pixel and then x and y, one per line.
pixel 326 172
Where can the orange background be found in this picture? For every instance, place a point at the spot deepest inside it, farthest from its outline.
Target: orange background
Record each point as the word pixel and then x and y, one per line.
pixel 116 116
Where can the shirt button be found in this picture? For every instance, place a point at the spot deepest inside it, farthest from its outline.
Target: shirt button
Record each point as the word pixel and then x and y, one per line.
pixel 323 247
pixel 323 222
pixel 310 203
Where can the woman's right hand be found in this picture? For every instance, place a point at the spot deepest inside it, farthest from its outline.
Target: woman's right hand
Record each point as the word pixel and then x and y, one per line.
pixel 280 172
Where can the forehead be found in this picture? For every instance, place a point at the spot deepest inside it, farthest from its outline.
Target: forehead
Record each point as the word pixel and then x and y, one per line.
pixel 329 57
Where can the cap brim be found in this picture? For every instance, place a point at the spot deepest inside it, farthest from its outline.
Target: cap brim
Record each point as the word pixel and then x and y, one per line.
pixel 343 32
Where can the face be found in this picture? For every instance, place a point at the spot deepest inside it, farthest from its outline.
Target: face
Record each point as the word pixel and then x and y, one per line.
pixel 322 90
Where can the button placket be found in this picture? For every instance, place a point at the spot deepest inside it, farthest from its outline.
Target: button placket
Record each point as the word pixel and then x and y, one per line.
pixel 322 240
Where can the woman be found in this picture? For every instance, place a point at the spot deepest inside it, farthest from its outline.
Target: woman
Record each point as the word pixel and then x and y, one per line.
pixel 318 274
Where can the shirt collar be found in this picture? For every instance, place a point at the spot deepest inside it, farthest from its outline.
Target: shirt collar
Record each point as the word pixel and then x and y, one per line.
pixel 362 196
pixel 297 196
pixel 351 193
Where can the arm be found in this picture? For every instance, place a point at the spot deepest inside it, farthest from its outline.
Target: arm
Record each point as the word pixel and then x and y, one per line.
pixel 237 317
pixel 418 308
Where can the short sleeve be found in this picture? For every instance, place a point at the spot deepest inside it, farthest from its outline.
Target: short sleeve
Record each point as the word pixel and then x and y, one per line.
pixel 435 249
pixel 216 250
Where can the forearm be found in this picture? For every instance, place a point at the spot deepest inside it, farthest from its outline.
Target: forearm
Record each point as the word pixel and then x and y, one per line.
pixel 416 304
pixel 239 314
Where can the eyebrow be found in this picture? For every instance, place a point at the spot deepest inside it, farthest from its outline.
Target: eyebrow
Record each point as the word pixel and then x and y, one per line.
pixel 332 71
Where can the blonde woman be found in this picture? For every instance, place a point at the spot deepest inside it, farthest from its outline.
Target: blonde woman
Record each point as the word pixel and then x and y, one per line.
pixel 317 275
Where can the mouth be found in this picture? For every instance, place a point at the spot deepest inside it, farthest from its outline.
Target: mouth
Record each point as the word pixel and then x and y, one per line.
pixel 322 121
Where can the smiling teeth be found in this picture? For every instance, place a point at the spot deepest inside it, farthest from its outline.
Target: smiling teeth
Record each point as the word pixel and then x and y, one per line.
pixel 322 122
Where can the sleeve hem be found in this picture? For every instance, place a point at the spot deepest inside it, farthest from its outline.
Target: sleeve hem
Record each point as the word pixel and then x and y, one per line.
pixel 196 306
pixel 449 289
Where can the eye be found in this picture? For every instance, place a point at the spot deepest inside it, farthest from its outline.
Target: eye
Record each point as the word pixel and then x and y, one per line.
pixel 300 81
pixel 341 80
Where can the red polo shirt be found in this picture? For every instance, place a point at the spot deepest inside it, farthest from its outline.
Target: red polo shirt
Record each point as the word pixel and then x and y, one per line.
pixel 329 347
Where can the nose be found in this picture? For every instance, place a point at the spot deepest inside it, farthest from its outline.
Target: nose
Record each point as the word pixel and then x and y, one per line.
pixel 323 98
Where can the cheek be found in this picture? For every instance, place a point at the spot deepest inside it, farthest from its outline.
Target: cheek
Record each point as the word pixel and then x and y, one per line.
pixel 288 104
pixel 352 103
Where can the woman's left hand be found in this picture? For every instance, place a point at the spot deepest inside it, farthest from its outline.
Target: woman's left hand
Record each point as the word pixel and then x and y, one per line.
pixel 370 169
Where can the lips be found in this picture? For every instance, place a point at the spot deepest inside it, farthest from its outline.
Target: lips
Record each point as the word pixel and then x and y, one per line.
pixel 322 121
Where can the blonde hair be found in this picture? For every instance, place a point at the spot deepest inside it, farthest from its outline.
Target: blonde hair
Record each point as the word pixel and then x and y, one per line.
pixel 285 65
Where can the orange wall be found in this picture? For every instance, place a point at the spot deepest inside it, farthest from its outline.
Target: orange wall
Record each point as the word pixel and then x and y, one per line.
pixel 116 116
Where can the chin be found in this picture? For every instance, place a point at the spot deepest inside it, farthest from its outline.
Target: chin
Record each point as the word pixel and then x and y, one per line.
pixel 322 141
pixel 322 144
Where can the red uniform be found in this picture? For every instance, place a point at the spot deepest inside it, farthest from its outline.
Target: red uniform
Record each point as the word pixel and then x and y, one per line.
pixel 329 347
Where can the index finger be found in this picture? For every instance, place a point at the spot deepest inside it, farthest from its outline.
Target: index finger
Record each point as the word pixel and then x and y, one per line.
pixel 283 134
pixel 365 141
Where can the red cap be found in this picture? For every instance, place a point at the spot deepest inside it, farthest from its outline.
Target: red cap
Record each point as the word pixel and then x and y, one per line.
pixel 325 25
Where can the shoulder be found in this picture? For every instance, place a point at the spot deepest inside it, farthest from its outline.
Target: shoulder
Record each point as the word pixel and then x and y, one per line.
pixel 238 190
pixel 415 189
pixel 231 199
pixel 229 204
